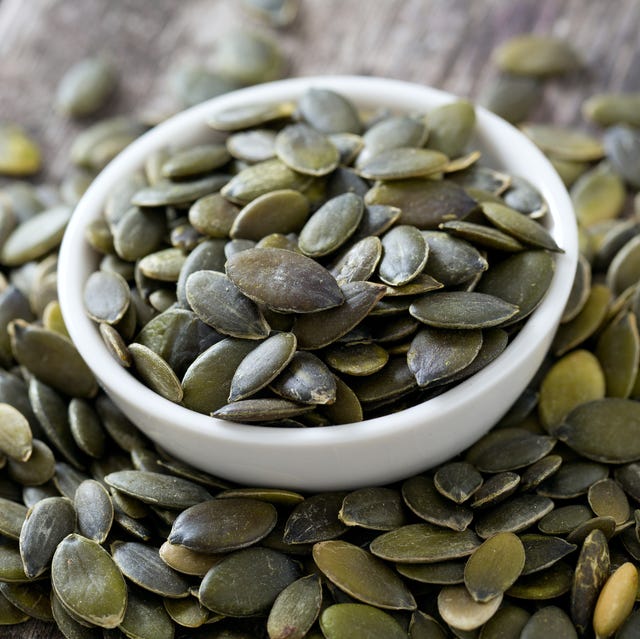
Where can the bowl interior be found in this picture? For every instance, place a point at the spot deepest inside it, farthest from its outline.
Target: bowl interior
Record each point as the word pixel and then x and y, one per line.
pixel 377 450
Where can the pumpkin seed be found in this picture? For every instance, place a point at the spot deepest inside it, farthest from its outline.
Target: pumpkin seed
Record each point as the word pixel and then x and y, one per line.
pixel 513 516
pixel 405 254
pixel 15 434
pixel 146 617
pixel 565 144
pixel 362 576
pixel 546 584
pixel 155 372
pixel 457 481
pixel 12 517
pixel 315 519
pixel 306 380
pixel 591 573
pixel 483 236
pixel 99 598
pixel 85 87
pixel 512 97
pixel 450 127
pixel 461 611
pixel 37 470
pixel 306 150
pixel 606 109
pixel 547 621
pixel 507 623
pixel 607 498
pixel 356 359
pixel 32 599
pixel 536 55
pixel 494 566
pixel 247 582
pixel 9 614
pixel 573 479
pixel 598 195
pixel 328 111
pixel 616 599
pixel 295 609
pixel 495 489
pixel 341 621
pixel 622 145
pixel 446 573
pixel 373 508
pixel 542 551
pixel 19 154
pixel 187 612
pixel 195 160
pixel 94 510
pixel 401 163
pixel 452 260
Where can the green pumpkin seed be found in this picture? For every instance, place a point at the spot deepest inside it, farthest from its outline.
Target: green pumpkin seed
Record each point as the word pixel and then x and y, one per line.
pixel 187 612
pixel 320 329
pixel 606 109
pixel 451 260
pixel 283 280
pixel 19 154
pixel 546 584
pixel 143 566
pixel 573 479
pixel 512 97
pixel 622 146
pixel 37 470
pixel 549 621
pixel 373 508
pixel 9 614
pixel 483 236
pixel 405 254
pixel 457 481
pixel 295 609
pixel 11 566
pixel 607 498
pixel 424 203
pixel 85 87
pixel 583 430
pixel 328 111
pixel 195 160
pixel 163 265
pixel 12 516
pixel 623 268
pixel 436 354
pixel 507 623
pixel 315 519
pixel 15 434
pixel 450 127
pixel 362 576
pixel 213 215
pixel 248 116
pixel 252 146
pixel 85 427
pixel 565 144
pixel 341 621
pixel 495 489
pixel 544 468
pixel 513 516
pixel 156 372
pixel 421 496
pixel 376 219
pixel 306 150
pixel 247 582
pixel 591 573
pixel 146 617
pixel 47 523
pixel 542 551
pixel 424 543
pixel 222 525
pixel 306 380
pixel 94 510
pixel 536 55
pixel 99 598
pixel 461 611
pixel 167 193
pixel 346 409
pixel 628 476
pixel 618 350
pixel 157 489
pixel 32 599
pixel 359 261
pixel 187 561
pixel 357 359
pixel 597 195
pixel 403 162
pixel 106 297
pixel 494 566
pixel 447 573
pixel 138 233
pixel 615 601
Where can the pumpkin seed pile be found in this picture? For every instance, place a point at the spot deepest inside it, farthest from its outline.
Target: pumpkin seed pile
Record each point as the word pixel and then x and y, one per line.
pixel 310 267
pixel 532 532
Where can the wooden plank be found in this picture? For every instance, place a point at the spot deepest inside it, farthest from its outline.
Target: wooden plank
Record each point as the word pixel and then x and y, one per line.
pixel 444 43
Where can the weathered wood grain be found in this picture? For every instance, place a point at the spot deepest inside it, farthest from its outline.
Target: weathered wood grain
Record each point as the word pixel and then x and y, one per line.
pixel 444 43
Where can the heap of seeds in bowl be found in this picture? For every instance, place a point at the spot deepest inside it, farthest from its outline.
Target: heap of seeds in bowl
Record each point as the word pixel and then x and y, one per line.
pixel 313 266
pixel 532 532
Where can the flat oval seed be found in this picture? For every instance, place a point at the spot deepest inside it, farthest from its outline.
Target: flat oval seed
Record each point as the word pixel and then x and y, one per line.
pixel 452 260
pixel 392 132
pixel 373 508
pixel 247 582
pixel 605 430
pixel 306 150
pixel 549 621
pixel 280 211
pixel 507 623
pixel 146 617
pixel 164 491
pixel 607 499
pixel 306 380
pixel 494 567
pixel 329 112
pixel 99 597
pixel 346 620
pixel 219 303
pixel 520 226
pixel 598 195
pixel 12 516
pixel 450 127
pixel 94 510
pixel 359 261
pixel 317 330
pixel 106 297
pixel 404 255
pixel 35 237
pixel 47 523
pixel 513 516
pixel 315 519
pixel 167 193
pixel 156 372
pixel 222 525
pixel 424 543
pixel 542 551
pixel 457 481
pixel 436 354
pixel 537 55
pixel 195 160
pixel 482 235
pixel 616 600
pixel 283 280
pixel 262 365
pixel 495 489
pixel 357 359
pixel 460 611
pixel 143 566
pixel 52 358
pixel 32 599
pixel 252 146
pixel 606 109
pixel 85 87
pixel 37 470
pixel 546 584
pixel 15 434
pixel 295 609
pixel 362 576
pixel 163 265
pixel 247 116
pixel 331 225
pixel 462 310
pixel 138 233
pixel 512 97
pixel 622 145
pixel 19 154
pixel 566 144
pixel 447 573
pixel 402 163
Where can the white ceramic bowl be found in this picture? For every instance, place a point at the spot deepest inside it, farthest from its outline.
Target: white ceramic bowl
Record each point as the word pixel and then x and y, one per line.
pixel 378 450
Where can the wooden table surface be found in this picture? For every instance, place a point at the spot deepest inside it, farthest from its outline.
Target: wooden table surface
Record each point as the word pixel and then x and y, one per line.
pixel 444 43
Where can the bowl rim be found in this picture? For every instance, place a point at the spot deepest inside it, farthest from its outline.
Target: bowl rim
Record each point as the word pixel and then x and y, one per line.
pixel 364 91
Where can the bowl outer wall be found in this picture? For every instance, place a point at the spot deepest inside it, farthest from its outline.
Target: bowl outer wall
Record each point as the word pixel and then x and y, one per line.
pixel 378 450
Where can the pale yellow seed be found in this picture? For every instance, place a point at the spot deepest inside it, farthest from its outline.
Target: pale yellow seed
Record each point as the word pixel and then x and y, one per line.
pixel 616 600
